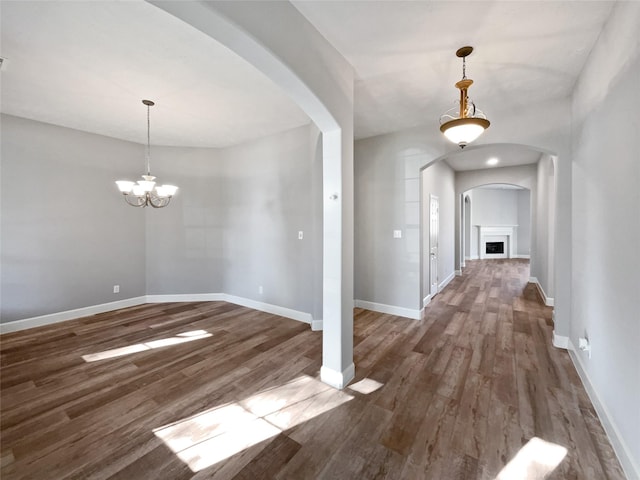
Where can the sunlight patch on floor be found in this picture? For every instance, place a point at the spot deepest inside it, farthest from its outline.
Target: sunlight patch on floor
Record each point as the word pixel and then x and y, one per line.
pixel 141 347
pixel 214 435
pixel 534 461
pixel 366 386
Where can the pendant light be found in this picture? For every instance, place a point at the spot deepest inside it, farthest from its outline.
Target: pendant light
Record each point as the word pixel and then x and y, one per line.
pixel 462 125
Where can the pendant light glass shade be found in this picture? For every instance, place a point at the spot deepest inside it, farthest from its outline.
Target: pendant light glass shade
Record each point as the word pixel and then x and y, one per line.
pixel 463 131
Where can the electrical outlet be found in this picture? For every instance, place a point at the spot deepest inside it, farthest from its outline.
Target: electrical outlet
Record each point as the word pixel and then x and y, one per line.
pixel 260 290
pixel 300 235
pixel 116 289
pixel 397 234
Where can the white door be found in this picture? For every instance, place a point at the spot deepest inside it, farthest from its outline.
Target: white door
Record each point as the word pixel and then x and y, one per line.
pixel 434 222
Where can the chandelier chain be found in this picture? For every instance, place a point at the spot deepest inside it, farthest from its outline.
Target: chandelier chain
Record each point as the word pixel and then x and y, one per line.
pixel 148 143
pixel 464 68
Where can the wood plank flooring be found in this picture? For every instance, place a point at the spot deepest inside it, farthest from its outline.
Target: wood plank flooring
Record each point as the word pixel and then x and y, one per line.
pixel 214 390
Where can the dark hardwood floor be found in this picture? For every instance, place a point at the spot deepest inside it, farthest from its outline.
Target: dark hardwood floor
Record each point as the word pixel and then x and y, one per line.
pixel 214 390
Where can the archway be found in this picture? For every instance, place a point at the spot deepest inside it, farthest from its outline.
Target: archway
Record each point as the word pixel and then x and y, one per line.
pixel 326 96
pixel 537 174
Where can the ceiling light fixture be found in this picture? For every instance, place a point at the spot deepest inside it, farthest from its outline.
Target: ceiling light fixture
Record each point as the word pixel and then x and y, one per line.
pixel 465 123
pixel 492 161
pixel 145 192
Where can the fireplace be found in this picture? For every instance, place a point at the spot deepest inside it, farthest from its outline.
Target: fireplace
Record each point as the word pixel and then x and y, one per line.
pixel 493 248
pixel 496 241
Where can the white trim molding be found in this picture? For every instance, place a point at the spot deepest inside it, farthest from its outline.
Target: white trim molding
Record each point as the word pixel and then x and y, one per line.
pixel 528 257
pixel 389 309
pixel 267 307
pixel 131 302
pixel 446 281
pixel 186 297
pixel 337 379
pixel 425 301
pixel 69 315
pixel 622 450
pixel 317 324
pixel 548 301
pixel 508 232
pixel 560 341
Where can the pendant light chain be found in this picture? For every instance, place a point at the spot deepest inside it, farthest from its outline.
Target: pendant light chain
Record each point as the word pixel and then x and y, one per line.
pixel 148 143
pixel 464 68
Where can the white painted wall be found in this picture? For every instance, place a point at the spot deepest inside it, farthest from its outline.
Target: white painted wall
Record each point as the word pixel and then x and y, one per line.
pixel 438 179
pixel 606 225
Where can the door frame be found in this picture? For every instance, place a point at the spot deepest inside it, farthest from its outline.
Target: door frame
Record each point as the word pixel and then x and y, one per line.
pixel 433 245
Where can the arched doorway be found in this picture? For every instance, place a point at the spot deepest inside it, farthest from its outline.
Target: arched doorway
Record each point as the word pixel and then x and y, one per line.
pixel 527 167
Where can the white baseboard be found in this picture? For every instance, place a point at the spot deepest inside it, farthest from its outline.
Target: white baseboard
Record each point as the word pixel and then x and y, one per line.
pixel 548 301
pixel 186 297
pixel 528 257
pixel 472 257
pixel 130 302
pixel 69 315
pixel 316 325
pixel 622 450
pixel 426 300
pixel 267 307
pixel 337 379
pixel 446 281
pixel 390 309
pixel 560 341
pixel 458 273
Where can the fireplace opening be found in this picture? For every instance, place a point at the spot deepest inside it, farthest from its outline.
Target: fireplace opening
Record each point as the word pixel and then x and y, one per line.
pixel 495 247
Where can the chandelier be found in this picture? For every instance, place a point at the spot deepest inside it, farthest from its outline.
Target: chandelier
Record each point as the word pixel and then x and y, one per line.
pixel 465 123
pixel 145 192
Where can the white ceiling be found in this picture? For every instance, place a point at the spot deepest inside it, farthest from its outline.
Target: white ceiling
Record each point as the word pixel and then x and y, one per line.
pixel 508 155
pixel 87 65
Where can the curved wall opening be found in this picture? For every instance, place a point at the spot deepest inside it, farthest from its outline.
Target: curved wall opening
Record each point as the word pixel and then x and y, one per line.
pixel 529 169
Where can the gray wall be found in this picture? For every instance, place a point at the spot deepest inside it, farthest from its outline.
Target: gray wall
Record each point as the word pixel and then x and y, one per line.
pixel 523 199
pixel 272 190
pixel 67 235
pixel 234 225
pixel 606 223
pixel 493 206
pixel 387 198
pixel 438 179
pixel 543 267
pixel 184 248
pixel 525 176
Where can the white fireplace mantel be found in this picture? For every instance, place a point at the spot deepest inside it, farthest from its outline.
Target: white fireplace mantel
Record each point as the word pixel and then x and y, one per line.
pixel 508 232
